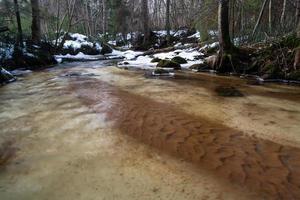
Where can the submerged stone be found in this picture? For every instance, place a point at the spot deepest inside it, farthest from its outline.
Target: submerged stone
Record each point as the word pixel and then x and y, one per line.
pixel 228 91
pixel 160 72
pixel 200 67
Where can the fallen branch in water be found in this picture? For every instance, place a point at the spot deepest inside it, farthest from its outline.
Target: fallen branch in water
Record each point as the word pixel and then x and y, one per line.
pixel 3 29
pixel 168 49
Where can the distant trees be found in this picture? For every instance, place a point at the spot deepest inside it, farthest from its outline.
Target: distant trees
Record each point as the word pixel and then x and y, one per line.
pixel 104 17
pixel 260 16
pixel 249 20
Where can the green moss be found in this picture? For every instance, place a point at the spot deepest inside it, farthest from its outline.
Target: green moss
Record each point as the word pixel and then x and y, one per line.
pixel 290 41
pixel 272 71
pixel 295 75
pixel 179 60
pixel 168 64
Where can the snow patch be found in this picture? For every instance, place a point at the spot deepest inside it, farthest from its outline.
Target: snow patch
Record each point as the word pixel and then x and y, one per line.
pixel 196 35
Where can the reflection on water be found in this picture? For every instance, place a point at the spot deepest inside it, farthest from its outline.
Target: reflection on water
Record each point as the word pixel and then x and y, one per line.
pixel 64 135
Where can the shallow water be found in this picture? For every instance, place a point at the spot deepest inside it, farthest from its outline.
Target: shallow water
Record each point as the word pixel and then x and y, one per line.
pixel 85 131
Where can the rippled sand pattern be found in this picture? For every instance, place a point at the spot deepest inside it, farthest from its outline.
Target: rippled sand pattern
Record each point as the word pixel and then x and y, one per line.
pixel 264 166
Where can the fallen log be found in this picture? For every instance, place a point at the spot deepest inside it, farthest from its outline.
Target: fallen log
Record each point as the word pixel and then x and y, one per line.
pixel 168 49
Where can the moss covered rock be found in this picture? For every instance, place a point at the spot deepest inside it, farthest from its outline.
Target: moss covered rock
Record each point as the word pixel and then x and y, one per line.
pixel 179 60
pixel 200 67
pixel 168 64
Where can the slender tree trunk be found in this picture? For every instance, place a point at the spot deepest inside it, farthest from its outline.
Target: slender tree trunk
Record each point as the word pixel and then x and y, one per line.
pixel 270 16
pixel 297 57
pixel 104 17
pixel 233 19
pixel 282 18
pixel 168 27
pixel 57 22
pixel 36 22
pixel 20 32
pixel 242 19
pixel 260 17
pixel 297 12
pixel 70 14
pixel 145 21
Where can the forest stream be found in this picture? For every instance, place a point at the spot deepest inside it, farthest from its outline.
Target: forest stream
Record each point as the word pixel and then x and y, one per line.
pixel 94 131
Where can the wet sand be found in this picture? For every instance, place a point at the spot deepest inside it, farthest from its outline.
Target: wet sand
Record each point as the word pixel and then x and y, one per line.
pixel 265 166
pixel 116 135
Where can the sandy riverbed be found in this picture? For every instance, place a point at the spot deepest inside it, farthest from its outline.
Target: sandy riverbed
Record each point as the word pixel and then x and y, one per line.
pixel 115 134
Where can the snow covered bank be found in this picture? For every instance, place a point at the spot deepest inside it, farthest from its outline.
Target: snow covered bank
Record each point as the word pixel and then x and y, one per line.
pixel 192 56
pixel 75 43
pixel 115 54
pixel 78 57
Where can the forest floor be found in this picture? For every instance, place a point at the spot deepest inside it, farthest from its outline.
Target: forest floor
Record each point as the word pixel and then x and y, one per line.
pixel 93 131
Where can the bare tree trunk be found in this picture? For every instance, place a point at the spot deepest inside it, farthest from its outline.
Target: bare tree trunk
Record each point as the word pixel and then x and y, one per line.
pixel 20 32
pixel 260 16
pixel 270 16
pixel 89 18
pixel 223 16
pixel 145 21
pixel 233 19
pixel 36 23
pixel 104 17
pixel 242 19
pixel 168 27
pixel 297 12
pixel 282 18
pixel 224 63
pixel 297 57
